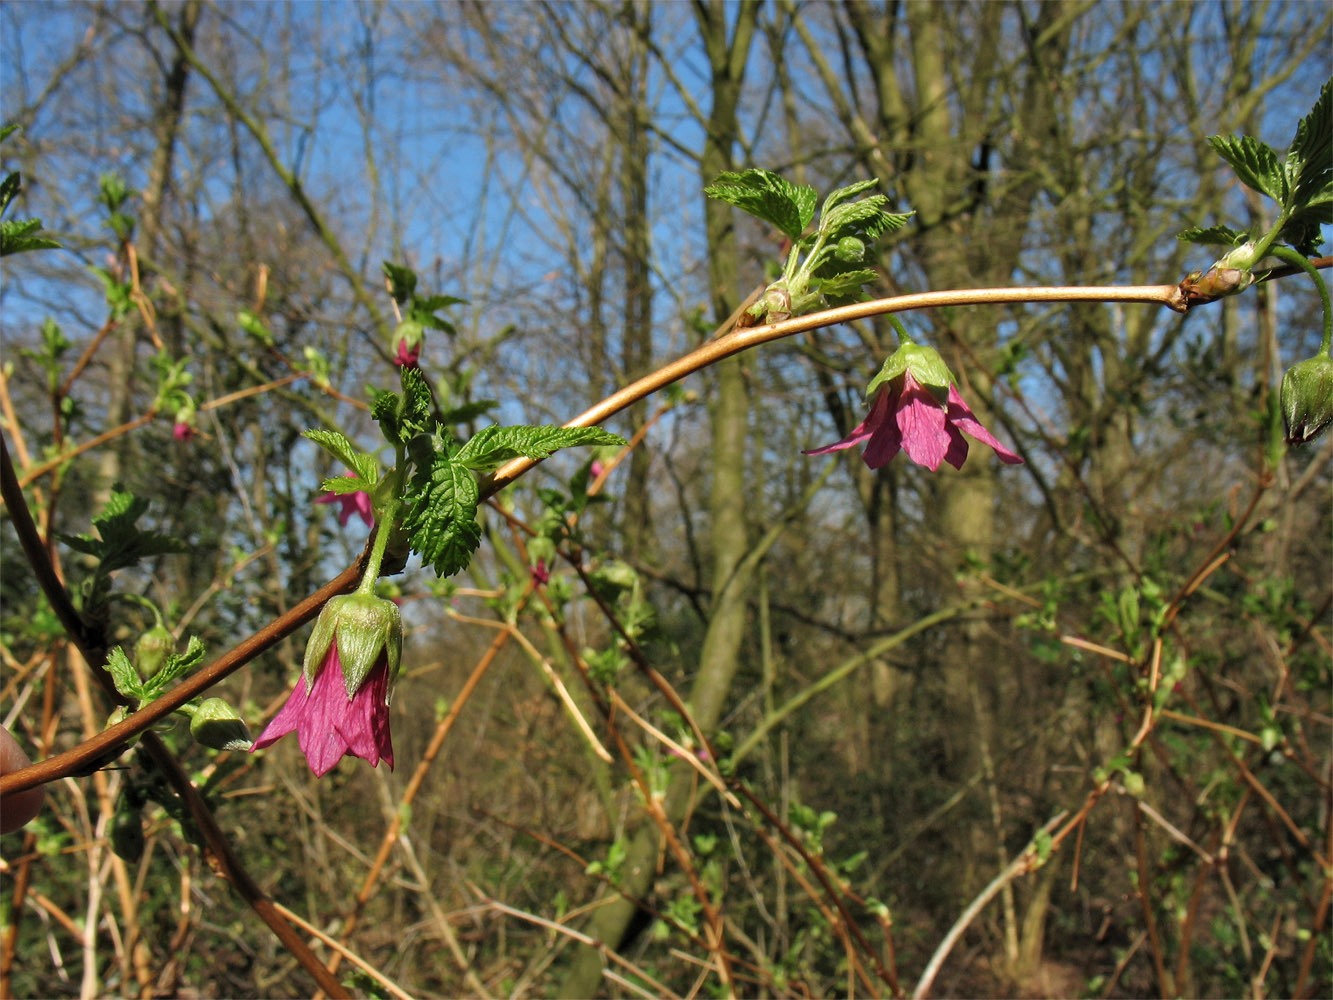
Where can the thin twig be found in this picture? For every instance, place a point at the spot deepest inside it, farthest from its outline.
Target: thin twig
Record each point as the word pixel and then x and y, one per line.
pixel 1021 865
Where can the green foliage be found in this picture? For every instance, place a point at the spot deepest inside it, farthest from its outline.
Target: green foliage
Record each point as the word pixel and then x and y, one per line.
pixel 442 493
pixel 143 690
pixel 491 447
pixel 113 194
pixel 120 542
pixel 1301 183
pixel 765 195
pixel 364 468
pixel 826 266
pixel 18 235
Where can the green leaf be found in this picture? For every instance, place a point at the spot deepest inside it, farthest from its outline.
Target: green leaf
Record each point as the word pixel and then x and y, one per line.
pixel 441 518
pixel 121 542
pixel 9 189
pixel 123 674
pixel 1309 165
pixel 767 196
pixel 1302 229
pixel 842 194
pixel 357 461
pixel 844 284
pixel 8 130
pixel 1213 235
pixel 402 281
pixel 17 237
pixel 177 665
pixel 252 324
pixel 492 446
pixel 1255 163
pixel 417 401
pixel 467 412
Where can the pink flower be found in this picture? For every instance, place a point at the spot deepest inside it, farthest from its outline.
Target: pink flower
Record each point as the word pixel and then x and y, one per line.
pixel 910 416
pixel 352 503
pixel 182 431
pixel 407 354
pixel 540 574
pixel 340 705
pixel 329 724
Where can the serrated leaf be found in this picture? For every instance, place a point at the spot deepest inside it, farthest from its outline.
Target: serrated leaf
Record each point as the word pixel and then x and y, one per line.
pixel 417 401
pixel 342 485
pixel 121 543
pixel 843 194
pixel 16 237
pixel 1213 236
pixel 441 517
pixel 492 446
pixel 1309 164
pixel 178 664
pixel 1255 163
pixel 357 461
pixel 433 302
pixel 767 196
pixel 844 284
pixel 123 674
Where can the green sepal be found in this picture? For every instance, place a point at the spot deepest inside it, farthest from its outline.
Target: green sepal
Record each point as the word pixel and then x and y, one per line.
pixel 1307 399
pixel 925 364
pixel 363 626
pixel 215 724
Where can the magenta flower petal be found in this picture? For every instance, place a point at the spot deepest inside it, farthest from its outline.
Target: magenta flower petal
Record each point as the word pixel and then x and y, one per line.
pixel 329 725
pixel 407 357
pixel 865 429
pixel 908 416
pixel 962 417
pixel 922 422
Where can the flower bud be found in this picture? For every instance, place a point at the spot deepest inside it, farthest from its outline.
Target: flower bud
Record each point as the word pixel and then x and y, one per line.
pixel 363 626
pixel 1307 399
pixel 775 305
pixel 151 649
pixel 850 250
pixel 407 338
pixel 215 724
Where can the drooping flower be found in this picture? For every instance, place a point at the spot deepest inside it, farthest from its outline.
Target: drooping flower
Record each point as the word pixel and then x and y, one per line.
pixel 182 427
pixel 540 573
pixel 352 503
pixel 917 409
pixel 340 705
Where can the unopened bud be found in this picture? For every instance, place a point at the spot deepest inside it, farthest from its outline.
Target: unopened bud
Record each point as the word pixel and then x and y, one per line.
pixel 1307 399
pixel 215 724
pixel 850 250
pixel 151 649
